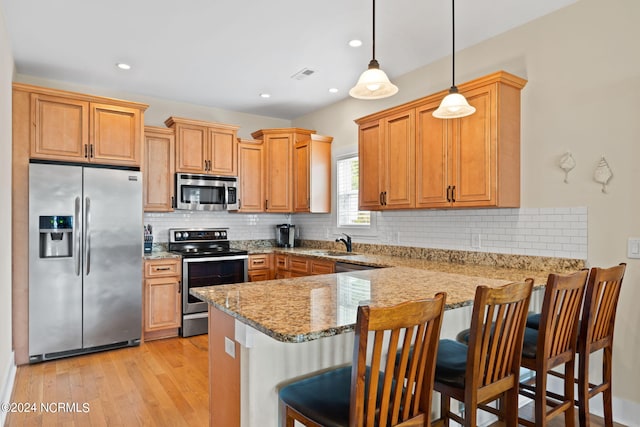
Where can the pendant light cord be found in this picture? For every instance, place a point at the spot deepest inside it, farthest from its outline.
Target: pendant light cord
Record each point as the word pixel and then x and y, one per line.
pixel 453 44
pixel 373 53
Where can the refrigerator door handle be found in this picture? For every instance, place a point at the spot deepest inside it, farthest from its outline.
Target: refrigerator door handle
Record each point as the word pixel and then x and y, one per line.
pixel 87 234
pixel 78 238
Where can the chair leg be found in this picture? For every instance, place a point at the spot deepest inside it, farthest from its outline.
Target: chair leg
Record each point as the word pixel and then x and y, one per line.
pixel 569 413
pixel 583 390
pixel 540 401
pixel 607 393
pixel 509 408
pixel 445 406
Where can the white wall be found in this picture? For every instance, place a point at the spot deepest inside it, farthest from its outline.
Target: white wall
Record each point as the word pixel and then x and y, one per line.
pixel 582 95
pixel 7 368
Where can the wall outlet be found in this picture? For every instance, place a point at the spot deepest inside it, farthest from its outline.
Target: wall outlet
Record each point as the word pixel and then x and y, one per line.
pixel 475 240
pixel 633 247
pixel 230 347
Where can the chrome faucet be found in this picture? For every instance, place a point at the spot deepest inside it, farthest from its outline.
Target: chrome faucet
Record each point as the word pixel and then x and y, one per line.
pixel 346 242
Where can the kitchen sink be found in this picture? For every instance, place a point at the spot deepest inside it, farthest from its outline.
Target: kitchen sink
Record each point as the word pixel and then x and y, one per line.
pixel 334 253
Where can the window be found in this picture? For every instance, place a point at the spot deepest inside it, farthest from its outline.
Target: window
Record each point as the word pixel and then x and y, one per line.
pixel 348 213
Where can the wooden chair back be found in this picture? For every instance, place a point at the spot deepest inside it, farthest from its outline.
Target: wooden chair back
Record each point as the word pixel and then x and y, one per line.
pixel 495 340
pixel 559 317
pixel 383 394
pixel 599 311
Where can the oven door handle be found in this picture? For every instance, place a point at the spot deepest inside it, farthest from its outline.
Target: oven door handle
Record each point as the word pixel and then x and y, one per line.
pixel 217 258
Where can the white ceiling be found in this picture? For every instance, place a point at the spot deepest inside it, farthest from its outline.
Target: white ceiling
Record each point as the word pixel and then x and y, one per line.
pixel 225 53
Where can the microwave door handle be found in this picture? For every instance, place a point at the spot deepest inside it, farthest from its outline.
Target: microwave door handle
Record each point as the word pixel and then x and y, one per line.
pixel 77 226
pixel 87 234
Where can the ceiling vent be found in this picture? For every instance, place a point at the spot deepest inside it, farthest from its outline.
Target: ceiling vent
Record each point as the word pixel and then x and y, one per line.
pixel 303 74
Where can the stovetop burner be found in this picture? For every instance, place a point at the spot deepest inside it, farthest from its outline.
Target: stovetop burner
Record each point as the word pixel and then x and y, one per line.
pixel 201 242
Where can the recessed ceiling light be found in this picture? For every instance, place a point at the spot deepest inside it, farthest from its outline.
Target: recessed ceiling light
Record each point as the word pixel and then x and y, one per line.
pixel 123 66
pixel 333 90
pixel 265 95
pixel 355 43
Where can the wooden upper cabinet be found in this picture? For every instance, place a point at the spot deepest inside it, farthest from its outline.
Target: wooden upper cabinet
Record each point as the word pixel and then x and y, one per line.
pixel 279 150
pixel 223 144
pixel 398 164
pixel 158 169
pixel 297 170
pixel 116 133
pixel 205 147
pixel 191 148
pixel 251 173
pixel 74 127
pixel 433 164
pixel 472 161
pixel 60 128
pixel 312 175
pixel 386 159
pixel 370 165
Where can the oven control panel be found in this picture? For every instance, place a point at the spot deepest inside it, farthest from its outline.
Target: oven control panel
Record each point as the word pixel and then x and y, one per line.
pixel 197 234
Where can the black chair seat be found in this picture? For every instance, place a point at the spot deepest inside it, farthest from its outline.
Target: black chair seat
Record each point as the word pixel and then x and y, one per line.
pixel 451 363
pixel 325 398
pixel 530 343
pixel 533 321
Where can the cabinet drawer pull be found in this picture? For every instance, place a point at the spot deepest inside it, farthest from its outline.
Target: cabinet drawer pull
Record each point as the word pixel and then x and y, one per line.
pixel 258 261
pixel 163 268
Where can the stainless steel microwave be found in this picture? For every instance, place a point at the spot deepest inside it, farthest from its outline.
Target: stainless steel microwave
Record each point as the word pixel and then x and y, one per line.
pixel 206 192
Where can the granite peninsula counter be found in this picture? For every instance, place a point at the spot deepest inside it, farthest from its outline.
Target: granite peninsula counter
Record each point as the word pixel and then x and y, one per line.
pixel 307 308
pixel 264 334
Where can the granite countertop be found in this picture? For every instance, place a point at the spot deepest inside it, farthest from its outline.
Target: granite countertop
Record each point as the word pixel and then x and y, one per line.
pixel 160 255
pixel 307 308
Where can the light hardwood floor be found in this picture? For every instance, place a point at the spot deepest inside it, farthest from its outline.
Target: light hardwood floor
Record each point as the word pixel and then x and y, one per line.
pixel 159 383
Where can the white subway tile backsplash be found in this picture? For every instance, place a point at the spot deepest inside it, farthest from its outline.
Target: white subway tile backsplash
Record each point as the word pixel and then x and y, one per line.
pixel 558 232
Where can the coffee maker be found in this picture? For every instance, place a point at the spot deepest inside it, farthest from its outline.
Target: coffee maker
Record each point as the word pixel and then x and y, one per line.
pixel 285 235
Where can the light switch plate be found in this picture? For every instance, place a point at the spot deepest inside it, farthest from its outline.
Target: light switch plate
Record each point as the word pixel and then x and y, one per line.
pixel 230 347
pixel 633 247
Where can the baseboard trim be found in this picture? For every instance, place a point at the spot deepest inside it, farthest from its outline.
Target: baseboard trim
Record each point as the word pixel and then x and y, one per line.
pixel 7 386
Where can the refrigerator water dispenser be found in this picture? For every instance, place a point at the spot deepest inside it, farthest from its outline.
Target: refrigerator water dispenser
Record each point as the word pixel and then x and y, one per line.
pixel 56 236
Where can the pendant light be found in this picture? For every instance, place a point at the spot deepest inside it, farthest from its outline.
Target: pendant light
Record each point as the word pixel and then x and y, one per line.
pixel 453 105
pixel 373 83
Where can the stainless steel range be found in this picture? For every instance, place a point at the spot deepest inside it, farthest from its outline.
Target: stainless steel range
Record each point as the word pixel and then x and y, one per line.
pixel 207 260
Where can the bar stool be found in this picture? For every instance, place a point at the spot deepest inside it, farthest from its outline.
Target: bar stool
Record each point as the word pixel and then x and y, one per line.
pixel 374 391
pixel 595 333
pixel 488 368
pixel 552 345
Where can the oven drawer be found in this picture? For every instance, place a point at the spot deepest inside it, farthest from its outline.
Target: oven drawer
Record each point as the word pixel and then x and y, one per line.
pixel 162 267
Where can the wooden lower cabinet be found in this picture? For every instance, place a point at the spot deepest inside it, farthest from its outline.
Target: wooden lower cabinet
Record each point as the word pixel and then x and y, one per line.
pixel 260 267
pixel 299 265
pixel 162 306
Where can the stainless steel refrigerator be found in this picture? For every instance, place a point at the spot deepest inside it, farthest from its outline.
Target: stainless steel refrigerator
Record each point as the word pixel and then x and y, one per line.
pixel 85 259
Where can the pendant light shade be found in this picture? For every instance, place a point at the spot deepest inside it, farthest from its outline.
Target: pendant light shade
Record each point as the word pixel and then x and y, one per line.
pixel 454 105
pixel 373 83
